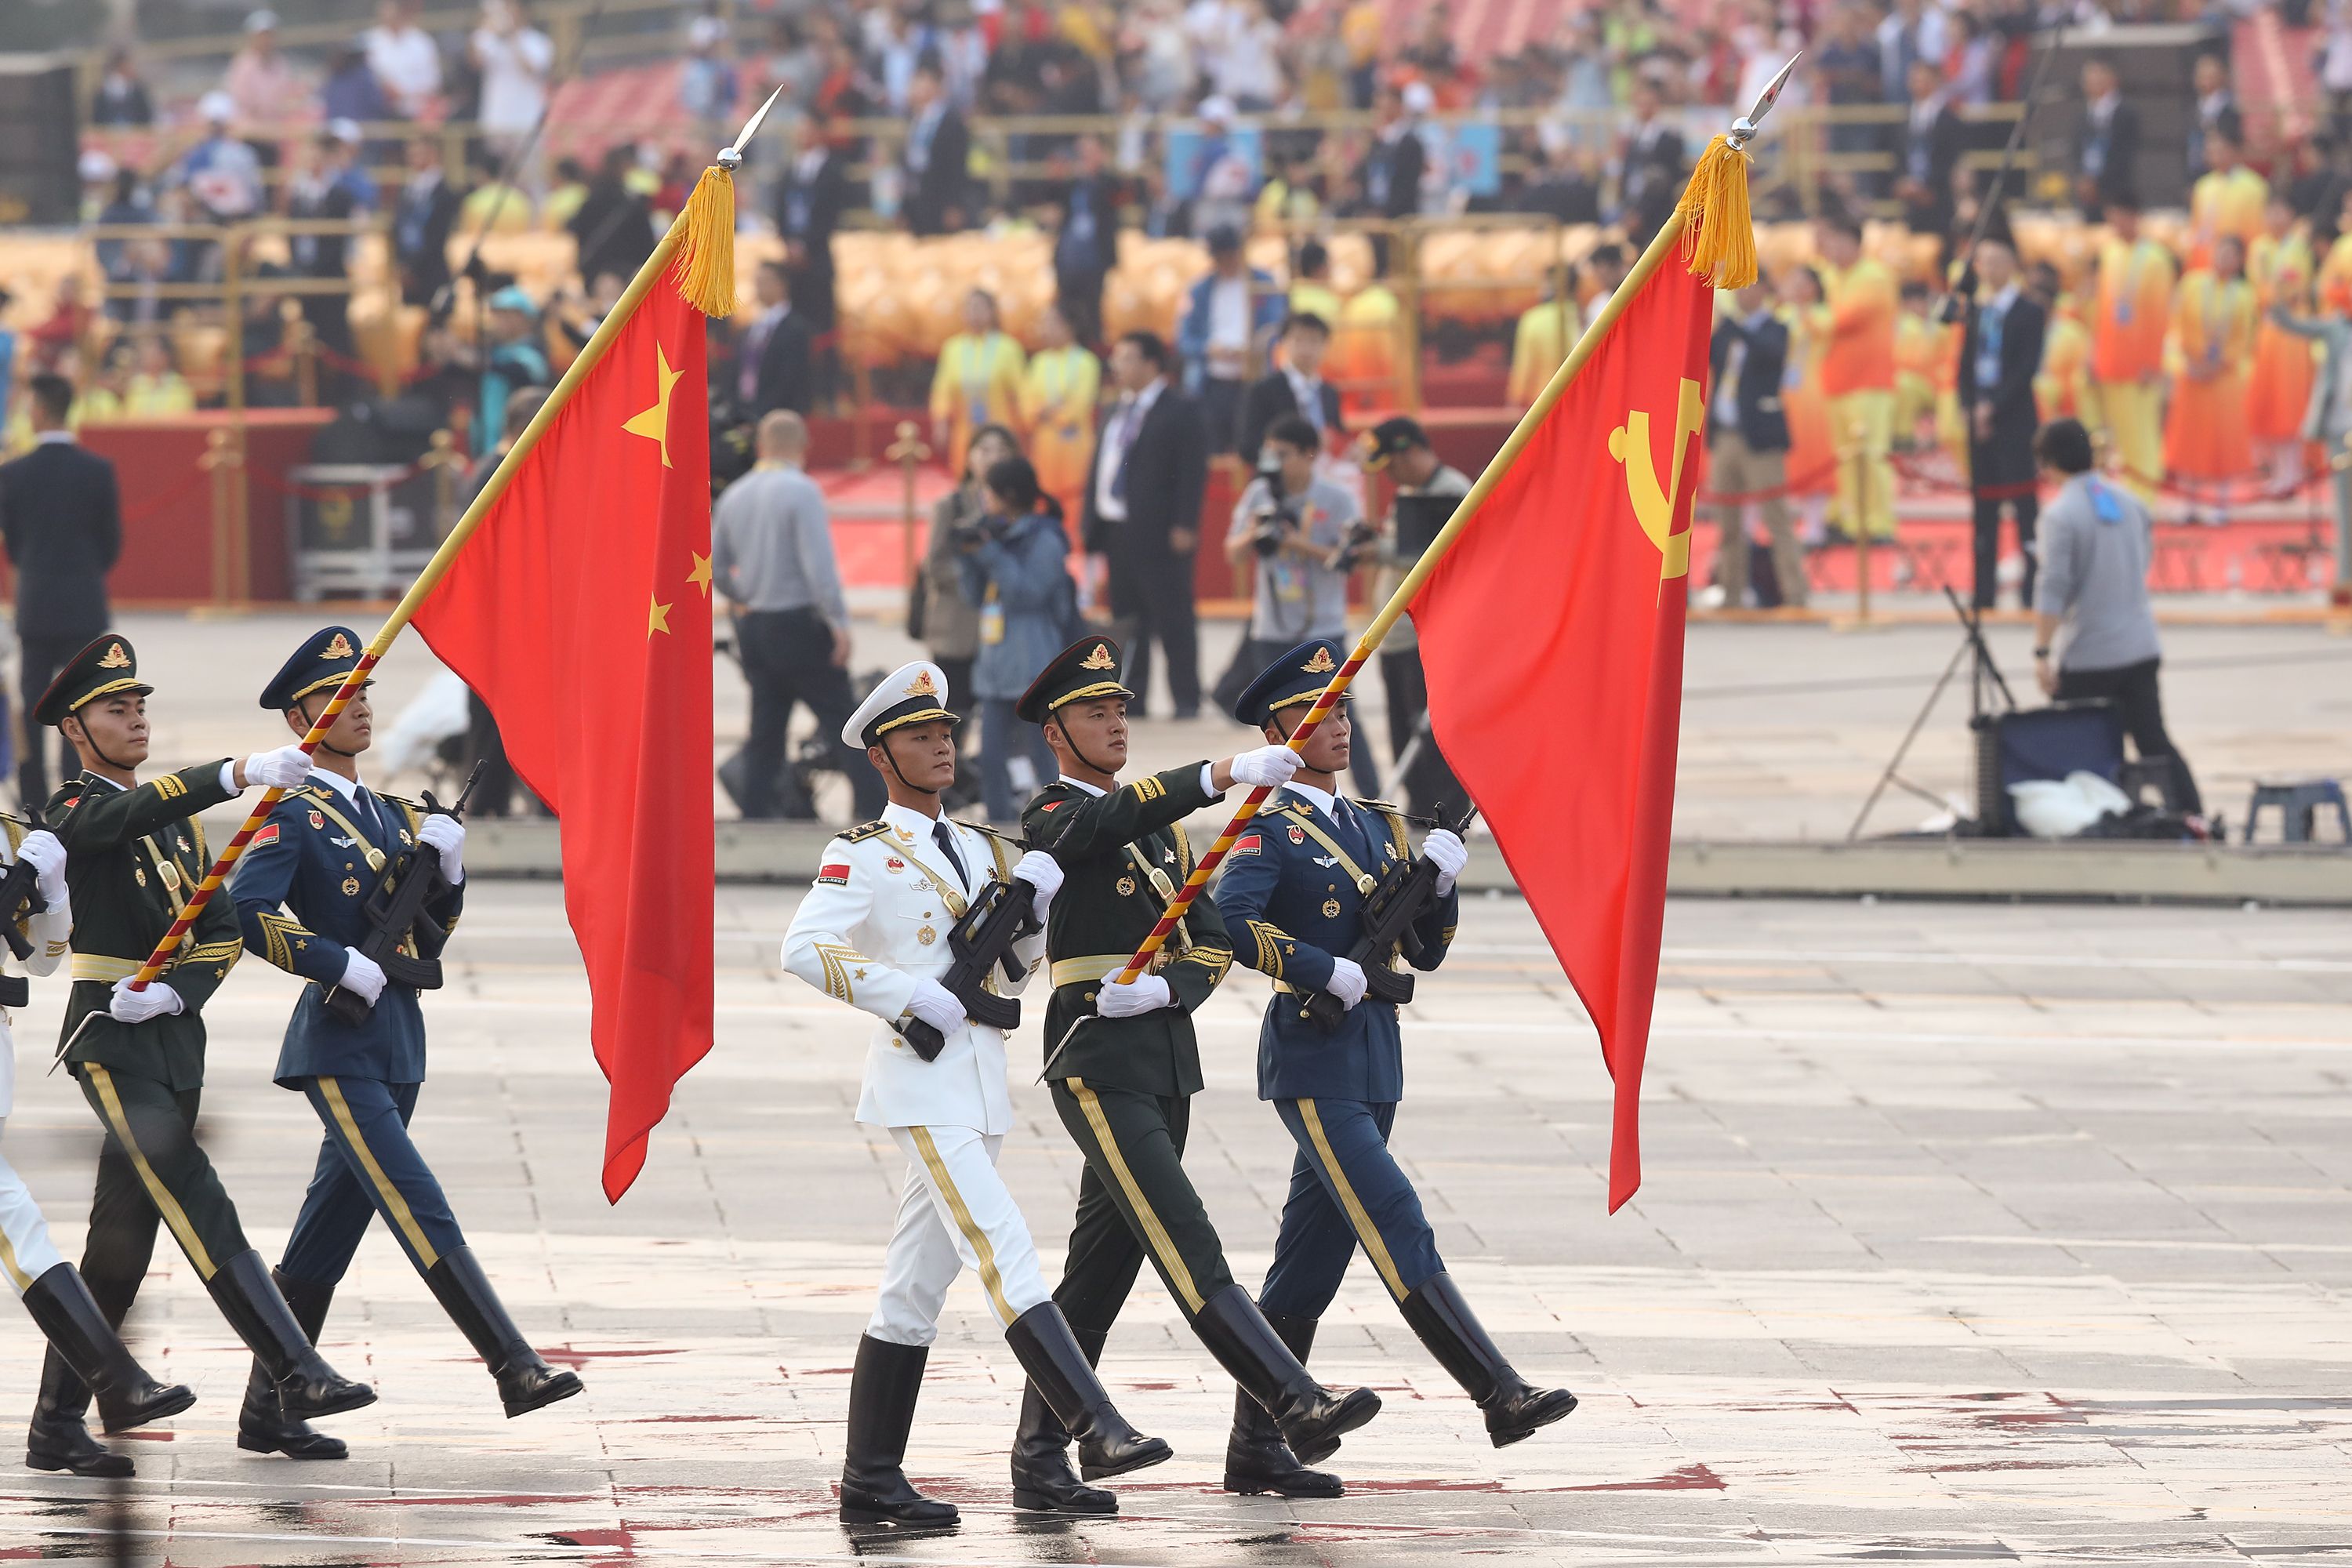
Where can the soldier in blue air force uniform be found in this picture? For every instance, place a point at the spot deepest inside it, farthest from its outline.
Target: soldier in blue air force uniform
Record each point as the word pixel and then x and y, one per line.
pixel 302 893
pixel 1292 894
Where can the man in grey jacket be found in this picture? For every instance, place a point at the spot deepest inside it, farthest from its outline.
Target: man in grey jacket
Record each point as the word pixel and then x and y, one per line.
pixel 2096 541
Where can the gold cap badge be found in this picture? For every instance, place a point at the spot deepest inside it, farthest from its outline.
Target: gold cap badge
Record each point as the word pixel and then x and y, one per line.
pixel 117 657
pixel 1320 664
pixel 340 648
pixel 922 686
pixel 1098 659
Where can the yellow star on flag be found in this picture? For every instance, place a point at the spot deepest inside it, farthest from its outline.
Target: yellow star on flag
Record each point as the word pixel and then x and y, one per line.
pixel 653 423
pixel 658 616
pixel 700 575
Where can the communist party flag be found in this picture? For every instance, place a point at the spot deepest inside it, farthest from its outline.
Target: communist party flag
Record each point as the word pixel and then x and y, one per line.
pixel 580 612
pixel 1551 633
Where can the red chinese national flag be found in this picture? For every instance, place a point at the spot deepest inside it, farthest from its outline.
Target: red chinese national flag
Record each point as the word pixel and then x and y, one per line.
pixel 1552 636
pixel 579 611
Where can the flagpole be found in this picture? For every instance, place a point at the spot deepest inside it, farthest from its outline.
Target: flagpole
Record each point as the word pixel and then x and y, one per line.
pixel 704 230
pixel 1731 147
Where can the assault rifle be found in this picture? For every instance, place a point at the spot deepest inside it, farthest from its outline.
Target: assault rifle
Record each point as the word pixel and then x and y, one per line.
pixel 20 896
pixel 392 912
pixel 1003 913
pixel 1391 911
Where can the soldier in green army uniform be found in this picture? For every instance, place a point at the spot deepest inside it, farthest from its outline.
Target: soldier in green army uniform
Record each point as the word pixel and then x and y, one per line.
pixel 135 853
pixel 1124 1065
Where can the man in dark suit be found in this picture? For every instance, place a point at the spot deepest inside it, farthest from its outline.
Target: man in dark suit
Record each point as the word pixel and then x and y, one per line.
pixel 809 199
pixel 1296 386
pixel 1652 166
pixel 1150 472
pixel 937 158
pixel 63 523
pixel 1747 443
pixel 1390 175
pixel 1086 248
pixel 1927 148
pixel 422 219
pixel 2000 353
pixel 2106 147
pixel 773 368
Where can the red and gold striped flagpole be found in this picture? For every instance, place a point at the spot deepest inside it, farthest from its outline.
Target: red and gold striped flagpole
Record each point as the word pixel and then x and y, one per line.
pixel 700 247
pixel 1713 215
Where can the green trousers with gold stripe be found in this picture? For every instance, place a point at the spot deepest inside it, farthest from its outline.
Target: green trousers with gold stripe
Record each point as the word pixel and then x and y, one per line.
pixel 150 1170
pixel 1134 1202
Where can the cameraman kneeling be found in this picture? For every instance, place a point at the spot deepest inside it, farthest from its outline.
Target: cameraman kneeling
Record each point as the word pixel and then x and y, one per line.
pixel 1299 537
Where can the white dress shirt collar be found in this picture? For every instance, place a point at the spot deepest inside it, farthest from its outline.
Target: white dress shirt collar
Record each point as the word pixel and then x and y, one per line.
pixel 1324 801
pixel 348 788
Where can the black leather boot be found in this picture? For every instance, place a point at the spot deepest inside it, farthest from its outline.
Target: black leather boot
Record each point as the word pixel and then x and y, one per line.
pixel 261 1426
pixel 1058 1369
pixel 525 1380
pixel 127 1397
pixel 1514 1406
pixel 883 1388
pixel 1311 1417
pixel 1256 1459
pixel 58 1440
pixel 1044 1480
pixel 307 1386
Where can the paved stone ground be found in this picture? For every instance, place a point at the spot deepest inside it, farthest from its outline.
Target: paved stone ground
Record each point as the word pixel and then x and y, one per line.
pixel 1969 1233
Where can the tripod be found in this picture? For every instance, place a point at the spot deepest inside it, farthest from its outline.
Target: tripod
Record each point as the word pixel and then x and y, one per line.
pixel 1982 673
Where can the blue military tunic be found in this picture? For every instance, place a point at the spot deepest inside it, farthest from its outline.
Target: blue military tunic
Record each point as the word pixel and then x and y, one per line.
pixel 303 891
pixel 1292 897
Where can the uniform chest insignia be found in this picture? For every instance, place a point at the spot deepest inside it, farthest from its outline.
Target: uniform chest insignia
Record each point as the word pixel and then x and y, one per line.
pixel 407 838
pixel 138 873
pixel 319 820
pixel 1126 887
pixel 907 834
pixel 1387 851
pixel 1331 908
pixel 343 843
pixel 894 864
pixel 1167 856
pixel 1327 860
pixel 927 936
pixel 350 887
pixel 1298 835
pixel 183 843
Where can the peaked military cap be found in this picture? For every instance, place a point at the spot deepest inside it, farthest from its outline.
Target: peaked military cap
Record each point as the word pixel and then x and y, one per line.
pixel 1294 681
pixel 106 667
pixel 319 665
pixel 1089 667
pixel 908 695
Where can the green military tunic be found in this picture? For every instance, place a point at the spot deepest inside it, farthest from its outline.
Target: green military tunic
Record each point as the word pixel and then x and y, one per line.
pixel 134 856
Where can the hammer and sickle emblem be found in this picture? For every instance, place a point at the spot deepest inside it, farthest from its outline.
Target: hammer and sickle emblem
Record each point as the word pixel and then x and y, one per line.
pixel 1629 444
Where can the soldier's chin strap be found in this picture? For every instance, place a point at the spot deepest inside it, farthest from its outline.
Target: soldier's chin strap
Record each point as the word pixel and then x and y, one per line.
pixel 891 757
pixel 302 711
pixel 1071 741
pixel 91 741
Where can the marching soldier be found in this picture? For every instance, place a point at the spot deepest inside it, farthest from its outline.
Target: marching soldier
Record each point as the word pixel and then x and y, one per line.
pixel 52 1291
pixel 1122 1060
pixel 302 893
pixel 873 933
pixel 136 852
pixel 1294 888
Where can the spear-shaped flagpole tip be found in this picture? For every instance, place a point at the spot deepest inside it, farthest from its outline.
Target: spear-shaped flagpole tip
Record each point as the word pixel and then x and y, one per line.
pixel 1743 129
pixel 730 157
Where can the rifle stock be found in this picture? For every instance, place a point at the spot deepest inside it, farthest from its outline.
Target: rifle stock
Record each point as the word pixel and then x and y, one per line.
pixel 983 937
pixel 1391 915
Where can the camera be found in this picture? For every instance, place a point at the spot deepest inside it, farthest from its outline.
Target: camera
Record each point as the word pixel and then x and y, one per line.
pixel 1360 536
pixel 971 532
pixel 1280 515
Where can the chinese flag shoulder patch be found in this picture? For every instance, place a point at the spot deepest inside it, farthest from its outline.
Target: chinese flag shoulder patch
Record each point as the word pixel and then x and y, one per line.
pixel 1051 805
pixel 835 875
pixel 267 836
pixel 1249 846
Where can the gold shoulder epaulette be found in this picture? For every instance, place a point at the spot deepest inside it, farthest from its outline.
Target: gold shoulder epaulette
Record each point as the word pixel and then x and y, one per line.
pixel 1015 839
pixel 865 830
pixel 1381 805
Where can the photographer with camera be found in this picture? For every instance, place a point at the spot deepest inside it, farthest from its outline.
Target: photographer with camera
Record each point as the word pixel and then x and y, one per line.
pixel 1298 537
pixel 1015 562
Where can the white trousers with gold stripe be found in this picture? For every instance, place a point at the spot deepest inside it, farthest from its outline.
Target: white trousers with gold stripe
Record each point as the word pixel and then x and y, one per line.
pixel 954 1212
pixel 25 1251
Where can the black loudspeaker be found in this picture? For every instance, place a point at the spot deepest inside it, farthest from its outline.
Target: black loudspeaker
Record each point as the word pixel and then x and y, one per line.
pixel 40 140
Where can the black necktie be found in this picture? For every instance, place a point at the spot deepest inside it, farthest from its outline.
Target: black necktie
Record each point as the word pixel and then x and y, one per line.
pixel 945 838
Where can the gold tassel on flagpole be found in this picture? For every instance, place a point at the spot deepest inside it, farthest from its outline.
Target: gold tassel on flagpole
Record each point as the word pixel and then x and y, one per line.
pixel 706 247
pixel 1714 209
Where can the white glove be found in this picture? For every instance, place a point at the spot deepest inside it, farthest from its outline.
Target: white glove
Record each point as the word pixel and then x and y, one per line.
pixel 1044 874
pixel 447 835
pixel 937 1005
pixel 158 1000
pixel 1347 982
pixel 1146 994
pixel 362 976
pixel 1444 849
pixel 47 856
pixel 1269 765
pixel 282 769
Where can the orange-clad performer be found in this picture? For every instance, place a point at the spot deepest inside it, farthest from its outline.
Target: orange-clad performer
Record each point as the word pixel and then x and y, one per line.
pixel 979 377
pixel 1813 458
pixel 2130 312
pixel 1858 378
pixel 2226 199
pixel 2278 264
pixel 1059 389
pixel 2205 438
pixel 2063 390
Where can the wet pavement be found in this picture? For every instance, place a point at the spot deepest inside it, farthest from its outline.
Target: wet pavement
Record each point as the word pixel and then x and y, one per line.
pixel 1969 1233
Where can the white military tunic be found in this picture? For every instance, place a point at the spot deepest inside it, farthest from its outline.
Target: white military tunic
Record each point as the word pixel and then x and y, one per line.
pixel 875 920
pixel 26 1250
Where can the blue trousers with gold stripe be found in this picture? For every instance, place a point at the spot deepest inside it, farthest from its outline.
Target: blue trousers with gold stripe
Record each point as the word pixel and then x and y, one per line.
pixel 367 1166
pixel 1344 1191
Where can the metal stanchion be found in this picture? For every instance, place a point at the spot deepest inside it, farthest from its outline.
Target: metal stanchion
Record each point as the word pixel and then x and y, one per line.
pixel 908 451
pixel 447 464
pixel 861 396
pixel 223 459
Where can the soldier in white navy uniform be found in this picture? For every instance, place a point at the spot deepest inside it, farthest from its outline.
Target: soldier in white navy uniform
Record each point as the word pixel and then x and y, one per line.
pixel 873 933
